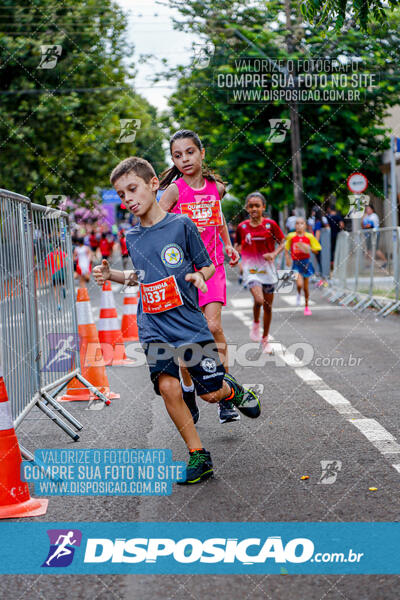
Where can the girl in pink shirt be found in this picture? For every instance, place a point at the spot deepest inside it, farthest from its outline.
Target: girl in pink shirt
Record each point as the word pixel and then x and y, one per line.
pixel 192 189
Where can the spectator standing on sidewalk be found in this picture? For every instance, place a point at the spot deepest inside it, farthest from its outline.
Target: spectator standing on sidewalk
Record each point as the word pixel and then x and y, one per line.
pixel 105 246
pixel 371 221
pixel 336 223
pixel 319 223
pixel 124 250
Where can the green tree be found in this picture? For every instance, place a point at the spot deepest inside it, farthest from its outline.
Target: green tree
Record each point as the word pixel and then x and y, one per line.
pixel 359 11
pixel 60 126
pixel 336 138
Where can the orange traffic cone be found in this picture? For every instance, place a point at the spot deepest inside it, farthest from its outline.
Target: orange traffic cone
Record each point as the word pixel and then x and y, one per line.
pixel 110 335
pixel 15 500
pixel 92 362
pixel 129 321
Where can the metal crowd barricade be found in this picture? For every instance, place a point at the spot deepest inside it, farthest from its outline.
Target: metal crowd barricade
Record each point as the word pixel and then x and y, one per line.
pixel 339 275
pixel 57 322
pixel 366 270
pixel 37 306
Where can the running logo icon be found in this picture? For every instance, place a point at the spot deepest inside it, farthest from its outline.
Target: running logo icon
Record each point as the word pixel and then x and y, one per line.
pixel 50 55
pixel 62 547
pixel 53 210
pixel 330 471
pixel 63 347
pixel 279 129
pixel 358 202
pixel 128 130
pixel 286 281
pixel 202 55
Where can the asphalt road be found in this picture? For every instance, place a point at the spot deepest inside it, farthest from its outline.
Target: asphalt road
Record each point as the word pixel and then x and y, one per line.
pixel 341 406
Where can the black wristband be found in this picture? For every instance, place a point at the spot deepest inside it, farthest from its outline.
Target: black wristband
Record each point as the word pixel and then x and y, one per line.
pixel 201 273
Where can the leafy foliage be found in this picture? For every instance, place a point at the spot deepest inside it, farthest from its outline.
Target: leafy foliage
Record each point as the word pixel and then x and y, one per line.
pixel 59 127
pixel 361 11
pixel 336 138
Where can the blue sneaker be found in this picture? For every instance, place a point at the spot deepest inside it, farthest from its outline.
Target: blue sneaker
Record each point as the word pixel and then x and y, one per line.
pixel 199 467
pixel 245 400
pixel 226 412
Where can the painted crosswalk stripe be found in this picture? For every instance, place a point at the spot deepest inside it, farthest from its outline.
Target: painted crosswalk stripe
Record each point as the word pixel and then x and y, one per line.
pixel 371 429
pixel 292 300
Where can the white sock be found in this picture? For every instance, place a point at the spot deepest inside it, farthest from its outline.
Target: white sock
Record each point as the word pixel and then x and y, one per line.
pixel 187 388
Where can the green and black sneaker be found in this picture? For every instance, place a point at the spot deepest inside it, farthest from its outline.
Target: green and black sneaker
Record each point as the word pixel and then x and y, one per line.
pixel 199 467
pixel 245 400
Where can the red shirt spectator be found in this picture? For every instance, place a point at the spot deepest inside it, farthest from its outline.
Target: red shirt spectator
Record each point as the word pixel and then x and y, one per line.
pixel 124 249
pixel 105 246
pixel 55 260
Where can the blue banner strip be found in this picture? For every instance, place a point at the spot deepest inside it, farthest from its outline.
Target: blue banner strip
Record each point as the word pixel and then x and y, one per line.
pixel 199 548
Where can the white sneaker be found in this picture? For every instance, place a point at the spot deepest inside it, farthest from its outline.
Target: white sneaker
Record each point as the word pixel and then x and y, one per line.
pixel 266 346
pixel 298 299
pixel 255 333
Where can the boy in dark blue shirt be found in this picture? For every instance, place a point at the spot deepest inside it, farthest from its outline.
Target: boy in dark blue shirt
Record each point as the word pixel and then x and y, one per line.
pixel 168 252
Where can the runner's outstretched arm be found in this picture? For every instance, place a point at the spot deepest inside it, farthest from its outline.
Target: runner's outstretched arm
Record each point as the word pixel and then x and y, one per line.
pixel 103 273
pixel 274 254
pixel 199 278
pixel 229 249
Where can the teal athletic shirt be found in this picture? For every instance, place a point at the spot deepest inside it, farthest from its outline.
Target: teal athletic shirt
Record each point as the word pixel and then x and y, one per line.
pixel 172 246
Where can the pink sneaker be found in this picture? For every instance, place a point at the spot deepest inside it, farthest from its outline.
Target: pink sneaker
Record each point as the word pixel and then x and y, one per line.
pixel 266 346
pixel 307 311
pixel 255 333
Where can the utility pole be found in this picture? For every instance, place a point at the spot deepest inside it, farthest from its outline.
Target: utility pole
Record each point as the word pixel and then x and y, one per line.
pixel 297 169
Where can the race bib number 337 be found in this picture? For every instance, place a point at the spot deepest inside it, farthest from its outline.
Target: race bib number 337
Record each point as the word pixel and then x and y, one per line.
pixel 160 296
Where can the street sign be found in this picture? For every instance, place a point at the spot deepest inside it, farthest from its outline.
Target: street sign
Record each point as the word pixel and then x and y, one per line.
pixel 357 183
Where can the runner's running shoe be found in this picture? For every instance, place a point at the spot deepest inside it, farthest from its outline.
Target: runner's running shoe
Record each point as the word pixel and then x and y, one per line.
pixel 255 333
pixel 199 467
pixel 190 401
pixel 307 312
pixel 266 346
pixel 245 400
pixel 226 412
pixel 298 300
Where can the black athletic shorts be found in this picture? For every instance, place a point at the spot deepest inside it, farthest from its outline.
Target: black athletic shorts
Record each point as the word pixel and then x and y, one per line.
pixel 202 361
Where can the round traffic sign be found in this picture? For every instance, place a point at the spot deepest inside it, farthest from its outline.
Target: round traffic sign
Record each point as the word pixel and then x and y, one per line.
pixel 357 183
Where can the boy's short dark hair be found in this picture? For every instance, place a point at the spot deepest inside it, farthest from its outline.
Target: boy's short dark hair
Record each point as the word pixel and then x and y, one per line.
pixel 141 167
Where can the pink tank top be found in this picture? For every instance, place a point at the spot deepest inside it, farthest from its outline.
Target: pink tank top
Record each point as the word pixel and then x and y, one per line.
pixel 210 236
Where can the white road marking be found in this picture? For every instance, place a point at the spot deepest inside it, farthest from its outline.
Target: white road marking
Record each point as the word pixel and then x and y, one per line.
pixel 284 309
pixel 241 315
pixel 371 429
pixel 290 299
pixel 242 302
pixel 333 397
pixel 307 375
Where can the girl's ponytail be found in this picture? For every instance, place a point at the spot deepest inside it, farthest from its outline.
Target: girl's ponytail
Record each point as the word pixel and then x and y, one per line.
pixel 211 175
pixel 169 176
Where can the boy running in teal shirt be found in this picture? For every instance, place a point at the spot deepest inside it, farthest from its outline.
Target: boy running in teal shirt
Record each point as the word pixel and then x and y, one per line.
pixel 167 250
